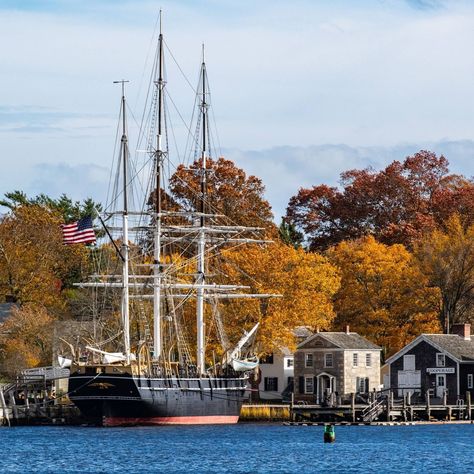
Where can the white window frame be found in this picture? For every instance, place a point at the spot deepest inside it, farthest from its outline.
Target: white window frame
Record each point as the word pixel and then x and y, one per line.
pixel 306 391
pixel 325 359
pixel 368 359
pixel 470 381
pixel 290 363
pixel 440 356
pixel 308 359
pixel 355 359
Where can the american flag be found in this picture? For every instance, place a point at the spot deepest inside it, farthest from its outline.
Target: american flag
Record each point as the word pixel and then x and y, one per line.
pixel 80 232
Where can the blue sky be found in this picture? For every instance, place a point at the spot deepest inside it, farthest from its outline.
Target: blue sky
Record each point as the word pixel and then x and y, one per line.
pixel 301 90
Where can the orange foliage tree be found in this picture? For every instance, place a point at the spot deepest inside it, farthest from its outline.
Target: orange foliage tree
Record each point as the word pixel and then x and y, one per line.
pixel 34 264
pixel 446 256
pixel 384 295
pixel 229 191
pixel 397 204
pixel 35 270
pixel 305 281
pixel 25 338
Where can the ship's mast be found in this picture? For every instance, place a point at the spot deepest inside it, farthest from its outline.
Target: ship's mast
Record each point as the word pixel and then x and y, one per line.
pixel 125 247
pixel 200 279
pixel 159 157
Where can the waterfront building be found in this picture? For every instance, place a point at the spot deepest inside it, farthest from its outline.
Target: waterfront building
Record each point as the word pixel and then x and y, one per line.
pixel 332 365
pixel 441 365
pixel 276 371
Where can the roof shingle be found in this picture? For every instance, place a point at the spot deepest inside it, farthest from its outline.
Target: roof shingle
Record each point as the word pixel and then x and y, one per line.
pixel 455 345
pixel 344 340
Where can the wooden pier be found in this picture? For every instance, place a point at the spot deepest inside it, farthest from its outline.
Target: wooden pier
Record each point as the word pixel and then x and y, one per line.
pixel 31 400
pixel 384 407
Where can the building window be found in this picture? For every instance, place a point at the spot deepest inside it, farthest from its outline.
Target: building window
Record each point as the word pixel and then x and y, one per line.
pixel 268 359
pixel 355 360
pixel 409 362
pixel 328 360
pixel 271 384
pixel 368 360
pixel 440 360
pixel 470 381
pixel 309 360
pixel 309 385
pixel 291 380
pixel 289 363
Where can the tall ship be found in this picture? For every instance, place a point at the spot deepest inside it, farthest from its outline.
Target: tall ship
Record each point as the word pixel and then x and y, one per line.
pixel 151 362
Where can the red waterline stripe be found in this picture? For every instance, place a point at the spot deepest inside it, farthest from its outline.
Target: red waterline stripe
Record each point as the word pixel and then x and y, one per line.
pixel 170 420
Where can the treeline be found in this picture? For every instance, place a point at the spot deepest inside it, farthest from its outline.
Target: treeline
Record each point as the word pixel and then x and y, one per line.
pixel 389 253
pixel 402 238
pixel 36 275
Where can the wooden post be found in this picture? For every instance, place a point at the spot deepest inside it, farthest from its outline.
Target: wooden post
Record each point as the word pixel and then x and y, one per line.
pixel 390 407
pixel 404 408
pixel 353 398
pixel 409 398
pixel 449 414
pixel 292 416
pixel 428 408
pixel 468 399
pixel 445 397
pixel 4 407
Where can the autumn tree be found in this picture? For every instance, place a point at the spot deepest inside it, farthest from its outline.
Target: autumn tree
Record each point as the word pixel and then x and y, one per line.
pixel 446 256
pixel 396 205
pixel 36 271
pixel 230 191
pixel 35 266
pixel 25 338
pixel 305 281
pixel 383 295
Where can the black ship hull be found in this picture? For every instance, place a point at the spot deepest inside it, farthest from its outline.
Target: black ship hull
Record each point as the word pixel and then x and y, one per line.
pixel 126 400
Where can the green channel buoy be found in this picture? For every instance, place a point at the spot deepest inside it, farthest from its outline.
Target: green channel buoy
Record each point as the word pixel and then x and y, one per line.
pixel 329 434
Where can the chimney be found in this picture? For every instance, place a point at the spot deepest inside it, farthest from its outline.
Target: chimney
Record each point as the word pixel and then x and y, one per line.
pixel 462 330
pixel 347 329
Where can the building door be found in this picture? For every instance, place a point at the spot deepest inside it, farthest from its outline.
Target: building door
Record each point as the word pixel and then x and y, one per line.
pixel 409 381
pixel 440 385
pixel 324 387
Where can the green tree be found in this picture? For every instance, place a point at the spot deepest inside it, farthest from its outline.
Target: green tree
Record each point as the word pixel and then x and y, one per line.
pixel 69 210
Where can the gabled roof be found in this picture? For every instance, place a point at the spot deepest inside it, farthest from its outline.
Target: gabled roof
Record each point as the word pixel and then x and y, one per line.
pixel 343 340
pixel 456 346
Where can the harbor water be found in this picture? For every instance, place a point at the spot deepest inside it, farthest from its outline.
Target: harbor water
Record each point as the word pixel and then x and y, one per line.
pixel 242 448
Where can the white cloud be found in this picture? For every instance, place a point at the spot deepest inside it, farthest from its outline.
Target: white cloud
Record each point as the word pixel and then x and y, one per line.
pixel 285 78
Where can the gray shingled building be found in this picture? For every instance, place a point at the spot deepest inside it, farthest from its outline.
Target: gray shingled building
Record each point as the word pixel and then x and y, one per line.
pixel 436 363
pixel 329 364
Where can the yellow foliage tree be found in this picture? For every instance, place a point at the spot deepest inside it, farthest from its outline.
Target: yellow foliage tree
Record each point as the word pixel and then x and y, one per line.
pixel 34 263
pixel 383 296
pixel 25 338
pixel 35 269
pixel 305 281
pixel 446 256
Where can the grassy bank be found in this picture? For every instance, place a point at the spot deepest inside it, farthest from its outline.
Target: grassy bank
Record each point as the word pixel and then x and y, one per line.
pixel 265 413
